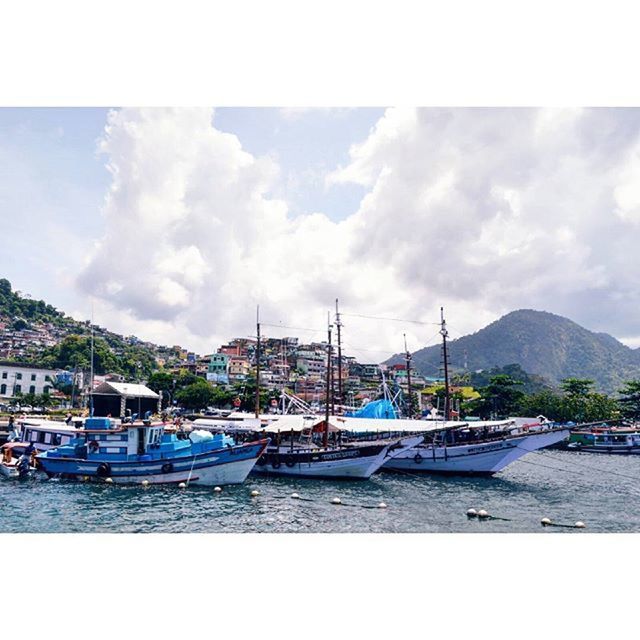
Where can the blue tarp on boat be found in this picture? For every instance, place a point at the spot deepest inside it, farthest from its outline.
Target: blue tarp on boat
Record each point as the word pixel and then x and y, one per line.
pixel 381 409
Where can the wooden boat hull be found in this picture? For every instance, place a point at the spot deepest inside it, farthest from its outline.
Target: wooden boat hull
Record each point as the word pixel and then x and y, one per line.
pixel 354 462
pixel 348 463
pixel 230 465
pixel 622 450
pixel 485 458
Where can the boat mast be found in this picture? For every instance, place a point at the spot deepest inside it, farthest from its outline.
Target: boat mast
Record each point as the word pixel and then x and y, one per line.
pixel 444 333
pixel 407 360
pixel 339 324
pixel 325 436
pixel 91 376
pixel 282 370
pixel 258 363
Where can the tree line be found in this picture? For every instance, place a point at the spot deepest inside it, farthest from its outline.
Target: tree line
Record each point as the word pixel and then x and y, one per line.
pixel 575 401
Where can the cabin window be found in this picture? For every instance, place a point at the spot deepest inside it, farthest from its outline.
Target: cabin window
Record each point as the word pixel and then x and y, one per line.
pixel 47 438
pixel 56 439
pixel 41 436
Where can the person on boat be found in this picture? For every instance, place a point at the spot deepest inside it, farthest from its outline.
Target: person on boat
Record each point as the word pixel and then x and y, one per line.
pixel 14 435
pixel 68 419
pixel 23 464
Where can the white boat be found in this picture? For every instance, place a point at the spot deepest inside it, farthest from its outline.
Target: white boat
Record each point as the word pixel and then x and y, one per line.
pixel 477 448
pixel 47 434
pixel 11 467
pixel 354 448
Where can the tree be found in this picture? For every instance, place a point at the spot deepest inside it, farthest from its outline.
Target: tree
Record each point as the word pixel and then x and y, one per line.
pixel 195 396
pixel 501 397
pixel 222 397
pixel 580 404
pixel 19 324
pixel 630 399
pixel 546 403
pixel 575 387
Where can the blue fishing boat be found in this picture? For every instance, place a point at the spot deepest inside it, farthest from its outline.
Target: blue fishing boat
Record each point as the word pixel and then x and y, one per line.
pixel 139 452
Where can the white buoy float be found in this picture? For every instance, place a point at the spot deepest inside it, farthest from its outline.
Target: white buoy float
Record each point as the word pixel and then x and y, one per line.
pixel 217 489
pixel 382 505
pixel 295 496
pixel 145 483
pixel 182 485
pixel 482 514
pixel 580 525
pixel 108 480
pixel 336 501
pixel 545 522
pixel 255 493
pixel 472 513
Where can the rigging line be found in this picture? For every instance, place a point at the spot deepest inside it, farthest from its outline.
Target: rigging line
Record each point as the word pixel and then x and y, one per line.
pixel 284 326
pixel 383 351
pixel 586 466
pixel 359 315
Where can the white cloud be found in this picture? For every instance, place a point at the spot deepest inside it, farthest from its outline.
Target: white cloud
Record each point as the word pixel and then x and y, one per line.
pixel 480 210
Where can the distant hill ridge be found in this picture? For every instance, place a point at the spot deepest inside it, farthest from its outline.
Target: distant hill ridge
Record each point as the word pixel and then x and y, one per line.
pixel 541 343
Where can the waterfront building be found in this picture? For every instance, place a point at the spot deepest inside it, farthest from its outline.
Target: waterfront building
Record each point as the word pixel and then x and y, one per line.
pixel 22 378
pixel 115 398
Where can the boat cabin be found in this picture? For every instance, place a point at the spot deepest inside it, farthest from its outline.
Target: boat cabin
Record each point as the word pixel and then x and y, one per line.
pixel 106 440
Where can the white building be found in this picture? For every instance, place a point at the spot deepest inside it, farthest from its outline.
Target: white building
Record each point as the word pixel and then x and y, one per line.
pixel 18 378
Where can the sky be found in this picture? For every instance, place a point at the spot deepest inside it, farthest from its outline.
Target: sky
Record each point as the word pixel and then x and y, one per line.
pixel 175 224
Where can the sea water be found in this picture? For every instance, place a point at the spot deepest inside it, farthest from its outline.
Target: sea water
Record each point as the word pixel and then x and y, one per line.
pixel 598 489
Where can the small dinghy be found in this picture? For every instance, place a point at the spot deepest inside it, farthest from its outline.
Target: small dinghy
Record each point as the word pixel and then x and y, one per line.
pixel 20 467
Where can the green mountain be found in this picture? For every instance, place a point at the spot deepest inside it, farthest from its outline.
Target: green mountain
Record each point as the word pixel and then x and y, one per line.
pixel 541 343
pixel 113 353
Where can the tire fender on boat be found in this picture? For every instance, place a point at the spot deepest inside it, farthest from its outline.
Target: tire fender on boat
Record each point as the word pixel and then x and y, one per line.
pixel 276 464
pixel 290 463
pixel 104 470
pixel 167 467
pixel 417 458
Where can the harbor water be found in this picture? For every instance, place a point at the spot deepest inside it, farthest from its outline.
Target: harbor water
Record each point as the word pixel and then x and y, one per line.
pixel 566 487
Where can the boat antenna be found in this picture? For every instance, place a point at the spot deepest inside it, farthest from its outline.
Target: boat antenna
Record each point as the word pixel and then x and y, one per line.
pixel 258 363
pixel 445 358
pixel 338 325
pixel 407 360
pixel 325 436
